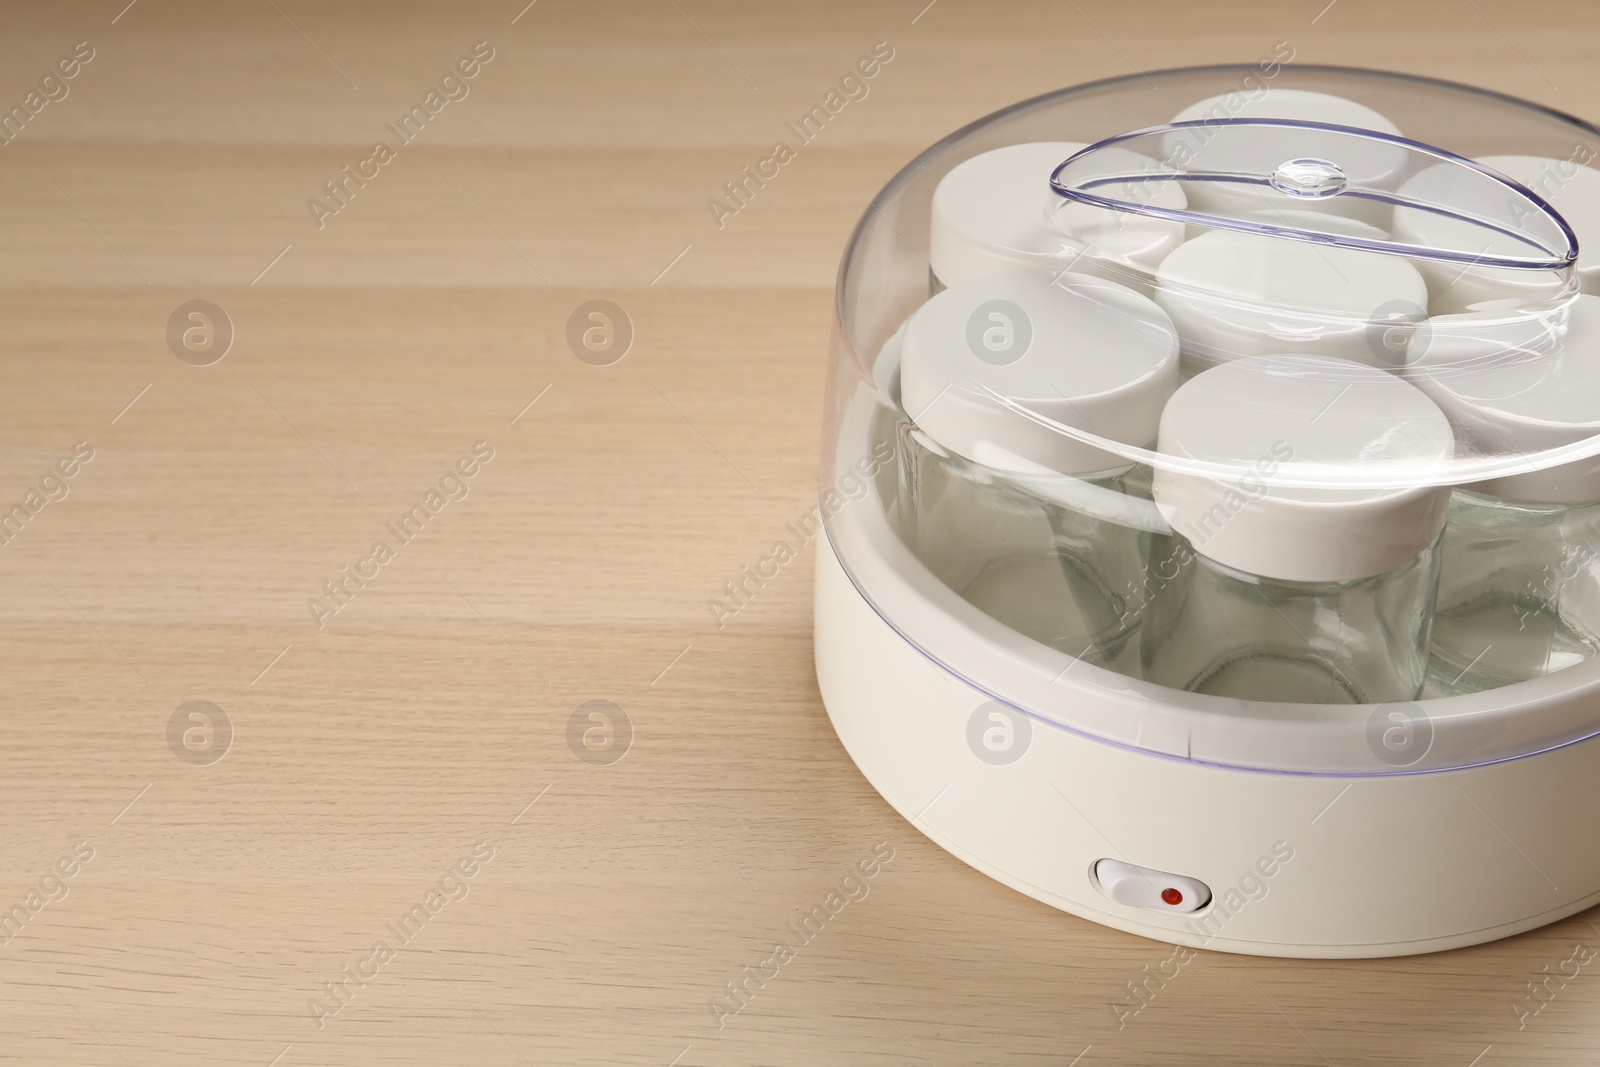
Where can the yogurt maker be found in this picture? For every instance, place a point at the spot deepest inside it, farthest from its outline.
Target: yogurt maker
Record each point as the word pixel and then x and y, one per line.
pixel 1211 487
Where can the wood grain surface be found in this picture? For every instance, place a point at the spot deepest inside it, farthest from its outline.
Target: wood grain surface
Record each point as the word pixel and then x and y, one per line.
pixel 421 731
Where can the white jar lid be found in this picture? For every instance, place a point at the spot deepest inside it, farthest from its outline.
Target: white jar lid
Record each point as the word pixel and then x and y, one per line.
pixel 990 366
pixel 1303 468
pixel 1572 189
pixel 1232 293
pixel 995 213
pixel 1372 162
pixel 1521 385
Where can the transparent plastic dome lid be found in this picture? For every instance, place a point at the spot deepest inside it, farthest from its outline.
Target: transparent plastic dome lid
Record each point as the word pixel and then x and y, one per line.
pixel 1365 320
pixel 1285 256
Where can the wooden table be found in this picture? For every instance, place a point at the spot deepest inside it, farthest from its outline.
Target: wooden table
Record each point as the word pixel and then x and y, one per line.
pixel 400 765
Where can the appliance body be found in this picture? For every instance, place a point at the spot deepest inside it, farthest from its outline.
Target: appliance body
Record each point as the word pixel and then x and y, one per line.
pixel 1297 865
pixel 1285 830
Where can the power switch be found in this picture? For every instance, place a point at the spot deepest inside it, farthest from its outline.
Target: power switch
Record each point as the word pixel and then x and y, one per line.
pixel 1141 887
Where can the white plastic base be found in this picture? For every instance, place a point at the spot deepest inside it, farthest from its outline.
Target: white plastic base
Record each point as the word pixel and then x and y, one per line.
pixel 1376 866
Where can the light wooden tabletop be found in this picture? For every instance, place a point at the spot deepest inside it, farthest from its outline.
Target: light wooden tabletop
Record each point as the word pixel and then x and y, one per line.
pixel 225 783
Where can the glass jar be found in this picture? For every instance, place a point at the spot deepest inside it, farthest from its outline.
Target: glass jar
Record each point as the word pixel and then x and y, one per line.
pixel 998 497
pixel 1297 593
pixel 1519 585
pixel 1062 575
pixel 1519 592
pixel 1216 629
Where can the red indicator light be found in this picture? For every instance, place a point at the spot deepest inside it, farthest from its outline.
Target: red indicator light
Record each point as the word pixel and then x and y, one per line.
pixel 1172 896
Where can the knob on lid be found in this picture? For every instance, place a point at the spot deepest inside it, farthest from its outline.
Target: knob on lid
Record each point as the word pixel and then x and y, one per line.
pixel 1293 157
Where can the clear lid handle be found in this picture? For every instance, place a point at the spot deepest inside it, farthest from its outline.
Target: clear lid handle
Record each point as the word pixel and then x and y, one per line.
pixel 1292 163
